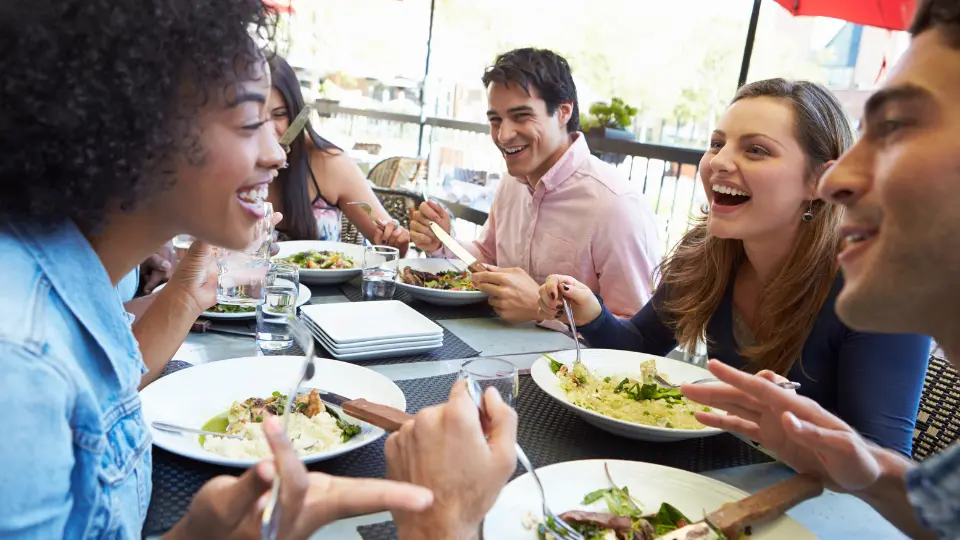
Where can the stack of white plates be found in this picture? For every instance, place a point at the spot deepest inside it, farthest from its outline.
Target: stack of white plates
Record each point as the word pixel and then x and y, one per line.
pixel 369 330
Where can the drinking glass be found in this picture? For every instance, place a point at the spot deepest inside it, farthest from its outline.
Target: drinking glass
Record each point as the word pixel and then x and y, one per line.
pixel 494 372
pixel 181 243
pixel 380 264
pixel 274 315
pixel 242 273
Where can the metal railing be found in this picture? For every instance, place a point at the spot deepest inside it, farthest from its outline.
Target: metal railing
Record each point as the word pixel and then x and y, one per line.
pixel 668 176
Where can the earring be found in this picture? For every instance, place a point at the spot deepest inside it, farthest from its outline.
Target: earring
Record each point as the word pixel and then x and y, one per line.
pixel 285 165
pixel 808 215
pixel 705 208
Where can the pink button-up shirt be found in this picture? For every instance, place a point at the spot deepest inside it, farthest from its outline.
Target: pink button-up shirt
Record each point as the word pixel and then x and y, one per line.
pixel 585 220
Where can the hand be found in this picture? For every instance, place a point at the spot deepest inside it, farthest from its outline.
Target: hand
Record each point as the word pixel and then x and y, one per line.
pixel 274 246
pixel 196 277
pixel 229 507
pixel 798 430
pixel 444 449
pixel 583 303
pixel 420 220
pixel 512 292
pixel 158 268
pixel 393 235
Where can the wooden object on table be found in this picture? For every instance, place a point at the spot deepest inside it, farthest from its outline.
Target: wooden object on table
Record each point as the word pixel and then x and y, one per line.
pixel 378 415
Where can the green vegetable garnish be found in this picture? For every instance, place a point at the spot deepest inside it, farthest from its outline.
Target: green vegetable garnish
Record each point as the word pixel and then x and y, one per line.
pixel 554 365
pixel 349 430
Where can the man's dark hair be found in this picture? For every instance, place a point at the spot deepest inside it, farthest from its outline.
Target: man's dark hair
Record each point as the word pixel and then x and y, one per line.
pixel 546 71
pixel 99 98
pixel 944 15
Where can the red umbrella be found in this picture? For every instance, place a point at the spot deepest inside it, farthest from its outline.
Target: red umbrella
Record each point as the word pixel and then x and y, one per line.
pixel 889 14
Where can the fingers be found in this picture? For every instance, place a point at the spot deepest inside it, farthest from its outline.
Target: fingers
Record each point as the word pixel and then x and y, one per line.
pixel 729 423
pixel 160 270
pixel 240 497
pixel 490 278
pixel 502 429
pixel 293 474
pixel 432 211
pixel 721 396
pixel 277 218
pixel 333 497
pixel 439 211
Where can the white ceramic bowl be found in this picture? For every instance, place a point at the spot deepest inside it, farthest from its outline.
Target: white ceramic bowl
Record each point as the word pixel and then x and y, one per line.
pixel 324 277
pixel 437 296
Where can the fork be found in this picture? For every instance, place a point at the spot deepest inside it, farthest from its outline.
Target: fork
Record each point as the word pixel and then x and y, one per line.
pixel 573 328
pixel 789 385
pixel 270 520
pixel 551 522
pixel 369 211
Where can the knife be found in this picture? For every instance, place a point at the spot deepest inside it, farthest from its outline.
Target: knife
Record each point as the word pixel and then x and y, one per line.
pixel 731 519
pixel 295 127
pixel 382 416
pixel 459 251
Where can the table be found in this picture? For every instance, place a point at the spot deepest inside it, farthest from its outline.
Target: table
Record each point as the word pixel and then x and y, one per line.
pixel 830 516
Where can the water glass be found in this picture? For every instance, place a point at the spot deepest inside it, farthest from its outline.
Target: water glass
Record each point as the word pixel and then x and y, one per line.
pixel 494 372
pixel 181 243
pixel 380 265
pixel 241 276
pixel 274 315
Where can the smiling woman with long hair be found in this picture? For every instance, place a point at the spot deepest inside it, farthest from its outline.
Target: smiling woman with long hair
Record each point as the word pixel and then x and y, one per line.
pixel 758 276
pixel 320 179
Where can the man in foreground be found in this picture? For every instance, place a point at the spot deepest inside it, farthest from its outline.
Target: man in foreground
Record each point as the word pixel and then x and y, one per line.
pixel 900 185
pixel 560 209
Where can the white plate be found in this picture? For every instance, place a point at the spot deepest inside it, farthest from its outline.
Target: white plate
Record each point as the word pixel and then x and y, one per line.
pixel 606 362
pixel 567 483
pixel 369 346
pixel 437 296
pixel 324 277
pixel 397 350
pixel 193 396
pixel 352 322
pixel 302 298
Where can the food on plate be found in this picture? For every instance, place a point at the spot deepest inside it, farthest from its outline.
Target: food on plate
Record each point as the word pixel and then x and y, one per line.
pixel 320 260
pixel 227 308
pixel 623 519
pixel 624 398
pixel 313 427
pixel 447 281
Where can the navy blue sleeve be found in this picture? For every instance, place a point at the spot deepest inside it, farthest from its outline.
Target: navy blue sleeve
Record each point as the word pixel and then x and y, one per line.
pixel 645 332
pixel 879 380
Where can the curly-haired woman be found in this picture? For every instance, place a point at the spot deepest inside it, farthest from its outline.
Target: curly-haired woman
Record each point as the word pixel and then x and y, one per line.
pixel 122 126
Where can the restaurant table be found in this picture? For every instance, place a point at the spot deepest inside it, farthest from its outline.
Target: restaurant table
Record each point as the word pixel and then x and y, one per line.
pixel 831 515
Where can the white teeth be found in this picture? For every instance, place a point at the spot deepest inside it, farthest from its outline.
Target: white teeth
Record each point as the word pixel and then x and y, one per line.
pixel 513 150
pixel 729 190
pixel 254 195
pixel 856 237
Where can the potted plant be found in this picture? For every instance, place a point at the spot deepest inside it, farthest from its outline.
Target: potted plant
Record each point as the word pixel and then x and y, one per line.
pixel 609 120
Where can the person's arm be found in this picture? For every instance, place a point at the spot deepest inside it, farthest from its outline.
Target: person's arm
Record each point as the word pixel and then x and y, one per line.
pixel 341 181
pixel 888 495
pixel 626 252
pixel 484 248
pixel 879 381
pixel 37 450
pixel 645 332
pixel 162 327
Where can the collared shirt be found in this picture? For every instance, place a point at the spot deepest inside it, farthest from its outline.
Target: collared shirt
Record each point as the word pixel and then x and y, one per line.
pixel 75 452
pixel 585 220
pixel 933 488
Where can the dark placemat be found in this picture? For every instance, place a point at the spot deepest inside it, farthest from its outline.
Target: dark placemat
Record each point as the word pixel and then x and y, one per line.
pixel 378 531
pixel 176 479
pixel 548 432
pixel 431 311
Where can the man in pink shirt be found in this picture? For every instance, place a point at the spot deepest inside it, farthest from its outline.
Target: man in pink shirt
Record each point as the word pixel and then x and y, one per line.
pixel 560 210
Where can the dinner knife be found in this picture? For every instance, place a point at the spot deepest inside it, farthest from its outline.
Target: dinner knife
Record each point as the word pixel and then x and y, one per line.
pixel 382 416
pixel 731 519
pixel 295 127
pixel 459 251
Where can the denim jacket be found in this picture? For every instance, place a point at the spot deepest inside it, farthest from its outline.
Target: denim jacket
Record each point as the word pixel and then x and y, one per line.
pixel 74 450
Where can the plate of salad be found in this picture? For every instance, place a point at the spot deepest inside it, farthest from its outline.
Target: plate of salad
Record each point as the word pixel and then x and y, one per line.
pixel 322 262
pixel 444 282
pixel 224 311
pixel 619 500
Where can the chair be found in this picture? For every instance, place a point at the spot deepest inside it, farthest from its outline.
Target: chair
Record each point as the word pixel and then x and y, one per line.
pixel 397 205
pixel 390 171
pixel 937 422
pixel 349 233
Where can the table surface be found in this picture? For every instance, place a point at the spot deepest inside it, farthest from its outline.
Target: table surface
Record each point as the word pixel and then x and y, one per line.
pixel 831 515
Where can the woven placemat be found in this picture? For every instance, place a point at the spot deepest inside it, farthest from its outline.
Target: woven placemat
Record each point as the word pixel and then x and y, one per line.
pixel 433 312
pixel 378 531
pixel 548 432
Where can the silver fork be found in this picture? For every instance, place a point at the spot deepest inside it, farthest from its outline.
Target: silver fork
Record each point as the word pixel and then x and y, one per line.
pixel 552 522
pixel 270 520
pixel 789 385
pixel 573 328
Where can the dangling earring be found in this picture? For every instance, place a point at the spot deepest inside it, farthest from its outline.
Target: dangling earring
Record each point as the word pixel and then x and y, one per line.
pixel 808 215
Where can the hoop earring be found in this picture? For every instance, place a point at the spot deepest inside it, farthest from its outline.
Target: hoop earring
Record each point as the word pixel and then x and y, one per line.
pixel 705 208
pixel 808 215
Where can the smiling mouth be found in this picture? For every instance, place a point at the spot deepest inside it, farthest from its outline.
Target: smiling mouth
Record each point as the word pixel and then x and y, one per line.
pixel 728 196
pixel 856 238
pixel 512 151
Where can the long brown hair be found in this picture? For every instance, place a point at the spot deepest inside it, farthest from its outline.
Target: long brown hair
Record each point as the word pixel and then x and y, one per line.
pixel 696 276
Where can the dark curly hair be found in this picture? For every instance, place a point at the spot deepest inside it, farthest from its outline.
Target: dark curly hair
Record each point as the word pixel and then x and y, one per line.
pixel 99 97
pixel 943 15
pixel 546 71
